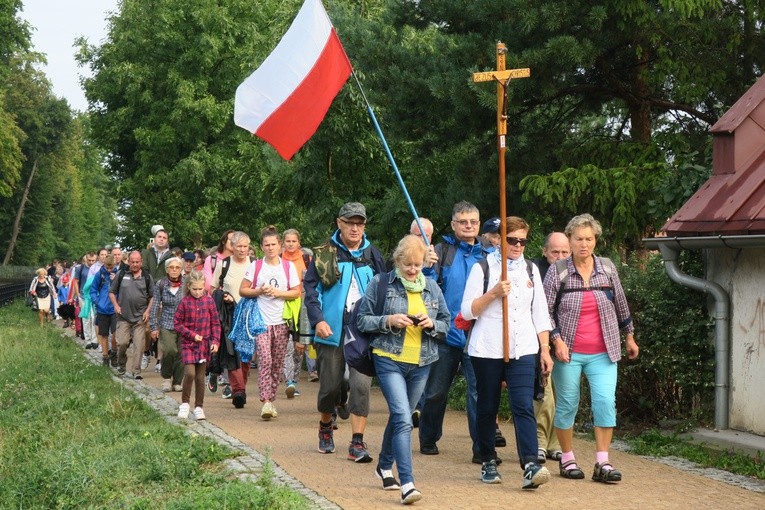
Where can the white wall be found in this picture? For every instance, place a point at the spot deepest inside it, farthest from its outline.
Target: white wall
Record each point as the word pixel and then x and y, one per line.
pixel 742 274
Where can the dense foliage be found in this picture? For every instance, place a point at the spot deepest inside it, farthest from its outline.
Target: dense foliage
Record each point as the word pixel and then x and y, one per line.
pixel 54 195
pixel 674 378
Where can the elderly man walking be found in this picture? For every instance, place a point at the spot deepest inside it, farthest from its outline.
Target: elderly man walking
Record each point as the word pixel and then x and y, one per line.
pixel 329 296
pixel 131 293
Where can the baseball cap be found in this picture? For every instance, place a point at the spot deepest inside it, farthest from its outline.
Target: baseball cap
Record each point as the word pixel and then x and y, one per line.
pixel 189 256
pixel 352 209
pixel 491 226
pixel 157 228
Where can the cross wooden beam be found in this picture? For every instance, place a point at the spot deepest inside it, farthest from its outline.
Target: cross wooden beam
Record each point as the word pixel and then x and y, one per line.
pixel 502 76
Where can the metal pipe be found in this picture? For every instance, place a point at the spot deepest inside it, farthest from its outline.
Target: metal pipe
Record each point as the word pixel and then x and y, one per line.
pixel 670 253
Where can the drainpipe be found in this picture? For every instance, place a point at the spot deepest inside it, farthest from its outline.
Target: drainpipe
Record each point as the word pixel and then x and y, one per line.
pixel 722 338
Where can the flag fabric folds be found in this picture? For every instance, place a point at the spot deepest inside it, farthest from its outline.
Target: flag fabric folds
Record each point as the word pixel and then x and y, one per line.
pixel 286 98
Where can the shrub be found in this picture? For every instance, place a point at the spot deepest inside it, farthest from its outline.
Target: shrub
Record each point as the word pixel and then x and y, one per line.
pixel 674 376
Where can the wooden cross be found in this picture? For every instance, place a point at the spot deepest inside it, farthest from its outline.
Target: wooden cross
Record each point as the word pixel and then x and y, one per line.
pixel 502 76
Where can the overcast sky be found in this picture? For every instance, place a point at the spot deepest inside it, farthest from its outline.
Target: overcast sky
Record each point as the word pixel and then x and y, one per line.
pixel 56 24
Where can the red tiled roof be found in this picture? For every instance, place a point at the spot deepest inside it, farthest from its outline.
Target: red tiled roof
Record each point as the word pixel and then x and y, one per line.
pixel 732 201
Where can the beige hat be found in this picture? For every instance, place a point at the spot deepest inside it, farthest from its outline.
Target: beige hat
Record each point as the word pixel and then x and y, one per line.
pixel 157 228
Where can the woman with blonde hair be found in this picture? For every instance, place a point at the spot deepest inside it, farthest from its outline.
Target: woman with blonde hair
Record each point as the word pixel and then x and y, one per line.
pixel 405 338
pixel 43 290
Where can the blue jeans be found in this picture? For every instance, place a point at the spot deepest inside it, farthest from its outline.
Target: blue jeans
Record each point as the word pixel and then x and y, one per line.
pixel 401 385
pixel 520 375
pixel 442 374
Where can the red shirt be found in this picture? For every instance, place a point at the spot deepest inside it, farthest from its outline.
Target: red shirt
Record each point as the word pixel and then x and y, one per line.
pixel 197 317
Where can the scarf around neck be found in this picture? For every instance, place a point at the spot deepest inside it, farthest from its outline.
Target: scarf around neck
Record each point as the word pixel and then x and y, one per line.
pixel 416 286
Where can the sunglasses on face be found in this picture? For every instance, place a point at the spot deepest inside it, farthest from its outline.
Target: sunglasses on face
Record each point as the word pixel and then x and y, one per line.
pixel 514 241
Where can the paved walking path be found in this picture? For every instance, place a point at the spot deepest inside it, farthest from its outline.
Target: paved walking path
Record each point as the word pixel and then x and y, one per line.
pixel 448 480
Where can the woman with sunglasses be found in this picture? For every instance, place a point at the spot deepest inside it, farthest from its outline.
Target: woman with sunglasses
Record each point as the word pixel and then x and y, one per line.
pixel 587 319
pixel 529 328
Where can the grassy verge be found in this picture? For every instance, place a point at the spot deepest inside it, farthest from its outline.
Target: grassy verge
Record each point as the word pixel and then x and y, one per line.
pixel 659 444
pixel 71 437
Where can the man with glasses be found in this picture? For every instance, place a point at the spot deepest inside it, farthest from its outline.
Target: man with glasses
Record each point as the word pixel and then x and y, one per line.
pixel 336 278
pixel 456 256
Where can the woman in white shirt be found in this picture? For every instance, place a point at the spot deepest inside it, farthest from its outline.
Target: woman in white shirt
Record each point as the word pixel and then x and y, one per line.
pixel 271 280
pixel 529 328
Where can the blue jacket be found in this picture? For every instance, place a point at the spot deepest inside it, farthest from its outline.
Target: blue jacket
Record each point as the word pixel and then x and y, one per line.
pixel 99 291
pixel 453 278
pixel 392 339
pixel 329 304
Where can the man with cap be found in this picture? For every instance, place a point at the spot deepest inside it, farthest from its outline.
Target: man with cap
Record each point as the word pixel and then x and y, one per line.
pixel 490 237
pixel 329 296
pixel 188 262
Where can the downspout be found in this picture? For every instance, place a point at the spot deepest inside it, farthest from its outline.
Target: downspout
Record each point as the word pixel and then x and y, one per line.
pixel 722 338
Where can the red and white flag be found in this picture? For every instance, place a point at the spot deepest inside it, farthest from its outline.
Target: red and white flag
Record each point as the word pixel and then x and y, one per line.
pixel 287 97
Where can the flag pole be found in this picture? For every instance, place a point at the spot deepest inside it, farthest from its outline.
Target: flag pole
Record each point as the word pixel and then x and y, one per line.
pixel 392 161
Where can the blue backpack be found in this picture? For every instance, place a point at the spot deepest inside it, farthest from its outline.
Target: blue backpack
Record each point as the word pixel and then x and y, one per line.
pixel 358 353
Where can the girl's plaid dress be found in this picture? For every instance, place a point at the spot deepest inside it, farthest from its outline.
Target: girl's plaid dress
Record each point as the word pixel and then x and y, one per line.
pixel 197 317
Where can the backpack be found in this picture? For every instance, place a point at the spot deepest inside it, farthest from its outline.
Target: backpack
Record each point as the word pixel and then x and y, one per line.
pixel 144 274
pixel 325 261
pixel 356 344
pixel 259 266
pixel 484 263
pixel 562 268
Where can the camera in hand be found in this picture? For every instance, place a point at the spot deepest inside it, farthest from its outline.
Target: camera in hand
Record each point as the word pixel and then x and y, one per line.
pixel 415 320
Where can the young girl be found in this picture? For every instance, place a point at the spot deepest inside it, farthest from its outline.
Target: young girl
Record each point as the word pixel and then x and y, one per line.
pixel 196 321
pixel 271 280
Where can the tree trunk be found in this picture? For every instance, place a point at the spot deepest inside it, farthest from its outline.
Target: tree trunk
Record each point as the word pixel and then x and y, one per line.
pixel 19 214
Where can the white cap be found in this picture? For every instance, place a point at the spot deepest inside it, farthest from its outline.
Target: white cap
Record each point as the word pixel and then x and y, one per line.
pixel 157 228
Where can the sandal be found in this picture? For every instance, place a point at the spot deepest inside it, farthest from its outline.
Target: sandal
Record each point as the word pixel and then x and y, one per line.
pixel 573 473
pixel 606 475
pixel 554 455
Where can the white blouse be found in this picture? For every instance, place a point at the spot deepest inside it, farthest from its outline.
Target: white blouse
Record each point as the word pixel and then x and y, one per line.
pixel 527 314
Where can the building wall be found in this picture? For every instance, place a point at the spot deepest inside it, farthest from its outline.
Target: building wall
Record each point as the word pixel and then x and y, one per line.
pixel 742 274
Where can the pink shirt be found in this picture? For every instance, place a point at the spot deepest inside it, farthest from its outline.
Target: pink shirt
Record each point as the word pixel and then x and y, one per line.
pixel 589 335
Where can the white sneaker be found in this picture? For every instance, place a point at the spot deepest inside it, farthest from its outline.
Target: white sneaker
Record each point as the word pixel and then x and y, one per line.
pixel 158 366
pixel 144 362
pixel 167 385
pixel 267 412
pixel 177 387
pixel 199 413
pixel 183 411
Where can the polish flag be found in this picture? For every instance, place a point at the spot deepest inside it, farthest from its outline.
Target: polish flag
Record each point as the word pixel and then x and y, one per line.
pixel 287 97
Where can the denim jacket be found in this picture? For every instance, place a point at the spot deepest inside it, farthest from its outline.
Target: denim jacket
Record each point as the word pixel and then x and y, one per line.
pixel 392 339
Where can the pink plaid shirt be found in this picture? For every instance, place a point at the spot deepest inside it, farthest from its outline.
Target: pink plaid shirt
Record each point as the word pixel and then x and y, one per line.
pixel 197 317
pixel 614 315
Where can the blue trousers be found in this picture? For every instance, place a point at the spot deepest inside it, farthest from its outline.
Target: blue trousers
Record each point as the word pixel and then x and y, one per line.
pixel 441 376
pixel 519 374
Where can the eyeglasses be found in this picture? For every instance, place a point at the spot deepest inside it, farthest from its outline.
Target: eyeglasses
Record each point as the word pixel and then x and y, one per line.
pixel 514 241
pixel 359 224
pixel 465 223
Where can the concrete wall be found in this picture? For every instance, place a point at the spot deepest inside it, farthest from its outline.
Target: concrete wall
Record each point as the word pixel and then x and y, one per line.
pixel 742 274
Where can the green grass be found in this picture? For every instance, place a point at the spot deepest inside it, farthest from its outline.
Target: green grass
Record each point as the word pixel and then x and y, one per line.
pixel 658 444
pixel 71 437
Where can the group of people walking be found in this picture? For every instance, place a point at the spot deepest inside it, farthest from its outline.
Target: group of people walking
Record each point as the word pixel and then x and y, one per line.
pixel 430 312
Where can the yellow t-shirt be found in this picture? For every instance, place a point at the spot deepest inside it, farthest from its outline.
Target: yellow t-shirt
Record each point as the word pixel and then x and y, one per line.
pixel 413 336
